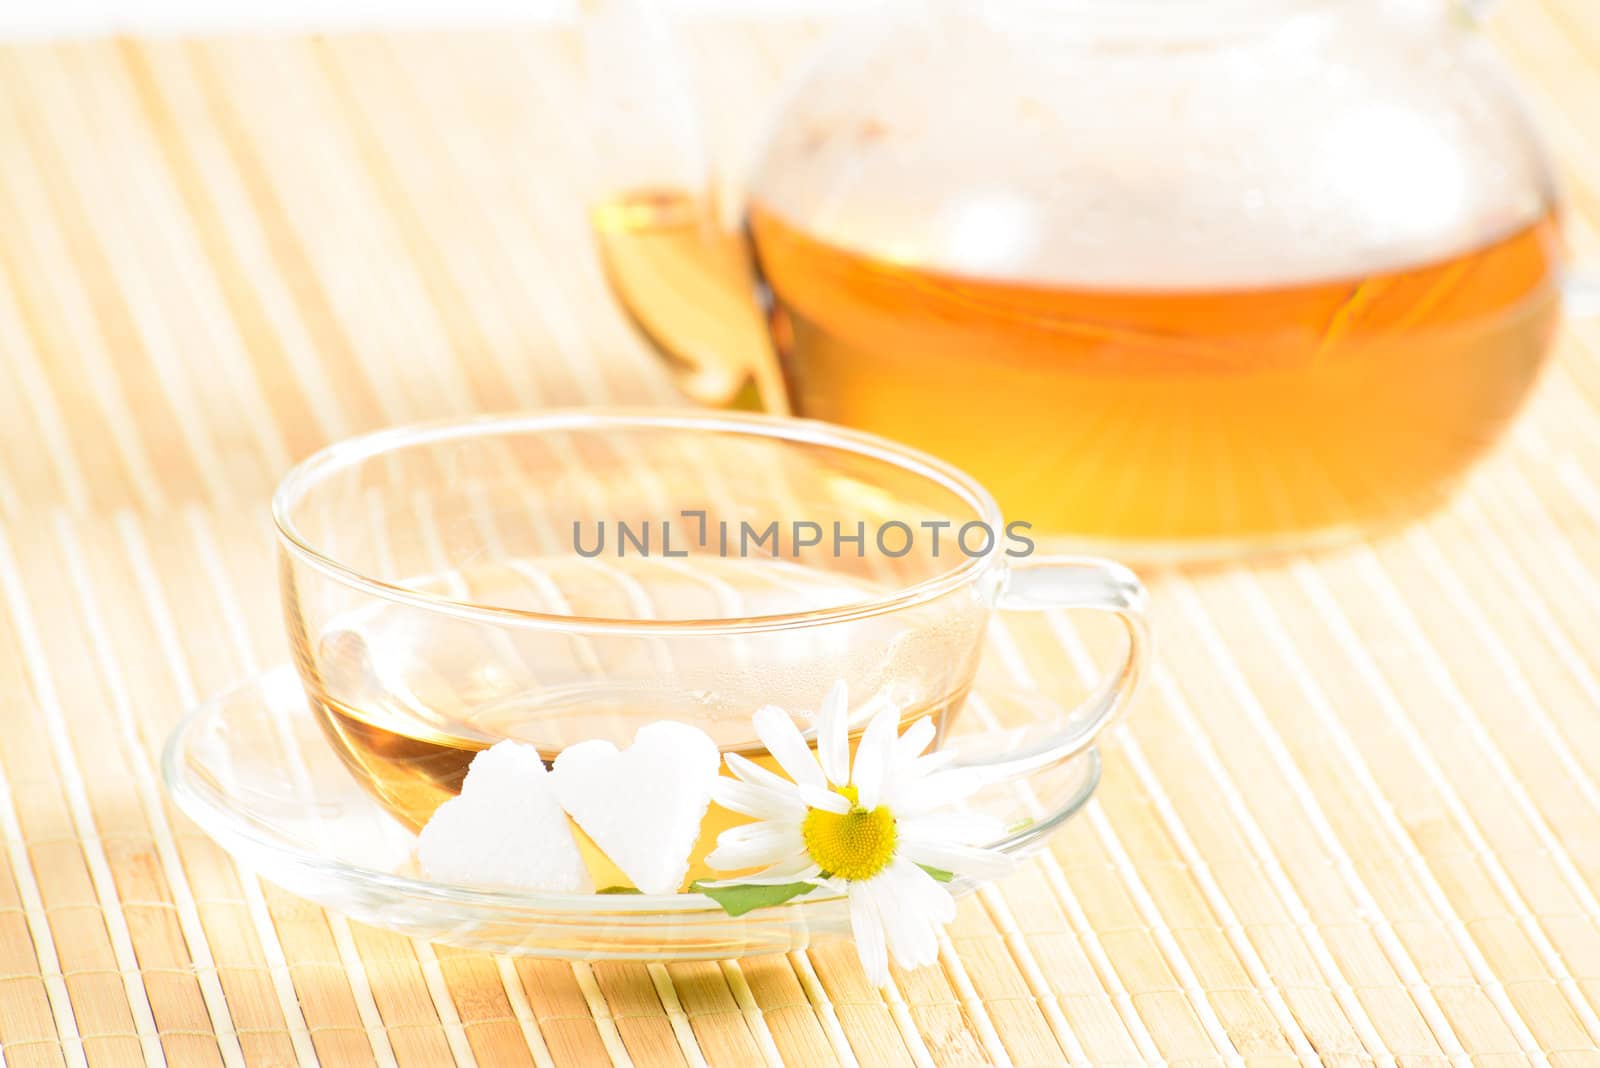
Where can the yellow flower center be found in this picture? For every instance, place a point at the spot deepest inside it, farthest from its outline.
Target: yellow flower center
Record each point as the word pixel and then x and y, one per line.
pixel 853 845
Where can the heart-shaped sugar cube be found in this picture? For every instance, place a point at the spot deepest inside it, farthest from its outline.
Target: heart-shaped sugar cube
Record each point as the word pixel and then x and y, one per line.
pixel 642 805
pixel 504 829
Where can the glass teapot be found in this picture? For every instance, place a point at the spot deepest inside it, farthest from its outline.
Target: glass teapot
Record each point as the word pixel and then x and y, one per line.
pixel 1173 279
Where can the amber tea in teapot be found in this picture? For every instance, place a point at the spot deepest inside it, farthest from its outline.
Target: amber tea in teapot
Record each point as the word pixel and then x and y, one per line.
pixel 1180 413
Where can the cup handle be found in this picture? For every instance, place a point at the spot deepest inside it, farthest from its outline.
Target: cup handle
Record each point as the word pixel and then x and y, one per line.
pixel 1040 583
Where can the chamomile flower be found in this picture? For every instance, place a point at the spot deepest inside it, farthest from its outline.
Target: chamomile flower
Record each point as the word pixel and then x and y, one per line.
pixel 879 829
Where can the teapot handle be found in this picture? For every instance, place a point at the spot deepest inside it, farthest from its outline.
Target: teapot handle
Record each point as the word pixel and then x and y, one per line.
pixel 1580 287
pixel 681 273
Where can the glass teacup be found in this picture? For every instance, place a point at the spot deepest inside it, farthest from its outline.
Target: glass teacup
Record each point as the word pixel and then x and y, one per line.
pixel 559 577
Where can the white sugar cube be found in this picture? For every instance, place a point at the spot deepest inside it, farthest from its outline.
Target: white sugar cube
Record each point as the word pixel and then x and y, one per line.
pixel 642 805
pixel 505 829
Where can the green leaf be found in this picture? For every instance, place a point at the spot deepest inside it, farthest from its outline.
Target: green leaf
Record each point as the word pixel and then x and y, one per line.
pixel 619 890
pixel 939 874
pixel 740 899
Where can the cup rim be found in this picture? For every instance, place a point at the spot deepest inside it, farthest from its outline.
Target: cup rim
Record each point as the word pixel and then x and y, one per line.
pixel 344 454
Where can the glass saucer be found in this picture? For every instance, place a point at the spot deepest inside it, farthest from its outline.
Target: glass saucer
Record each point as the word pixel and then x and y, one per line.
pixel 253 769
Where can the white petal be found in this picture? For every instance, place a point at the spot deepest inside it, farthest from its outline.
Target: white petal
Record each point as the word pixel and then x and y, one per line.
pixel 760 832
pixel 800 869
pixel 833 734
pixel 939 790
pixel 928 763
pixel 754 832
pixel 754 852
pixel 961 828
pixel 746 855
pixel 872 757
pixel 866 926
pixel 826 800
pixel 765 830
pixel 783 740
pixel 906 766
pixel 749 771
pixel 958 859
pixel 904 791
pixel 917 737
pixel 761 802
pixel 931 898
pixel 910 927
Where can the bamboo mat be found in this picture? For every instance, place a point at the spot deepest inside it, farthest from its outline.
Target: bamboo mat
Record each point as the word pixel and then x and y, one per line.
pixel 1354 819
